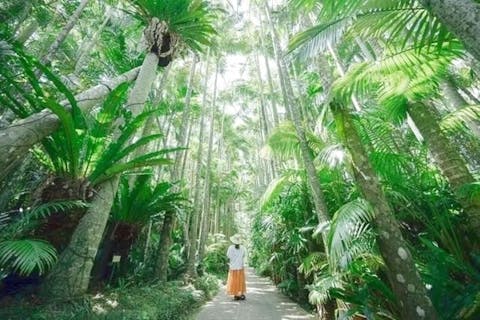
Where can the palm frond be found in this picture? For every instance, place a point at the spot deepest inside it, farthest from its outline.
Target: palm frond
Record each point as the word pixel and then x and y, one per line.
pixel 320 289
pixel 192 20
pixel 349 223
pixel 457 120
pixel 26 256
pixel 331 156
pixel 273 190
pixel 284 141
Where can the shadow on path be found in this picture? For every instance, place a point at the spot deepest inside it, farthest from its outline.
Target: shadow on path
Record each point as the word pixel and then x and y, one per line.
pixel 264 302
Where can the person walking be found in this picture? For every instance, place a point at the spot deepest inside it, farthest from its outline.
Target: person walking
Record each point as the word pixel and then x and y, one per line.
pixel 236 286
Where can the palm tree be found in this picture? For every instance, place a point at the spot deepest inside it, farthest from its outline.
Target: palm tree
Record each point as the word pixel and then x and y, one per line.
pixel 169 25
pixel 403 275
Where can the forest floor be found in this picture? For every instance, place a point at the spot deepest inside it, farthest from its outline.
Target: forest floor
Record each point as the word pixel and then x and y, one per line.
pixel 264 302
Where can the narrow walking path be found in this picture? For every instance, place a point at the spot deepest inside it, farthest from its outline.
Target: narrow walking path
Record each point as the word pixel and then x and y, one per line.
pixel 264 302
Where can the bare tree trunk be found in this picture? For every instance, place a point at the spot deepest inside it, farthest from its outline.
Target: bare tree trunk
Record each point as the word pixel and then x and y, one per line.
pixel 91 42
pixel 47 58
pixel 27 32
pixel 281 69
pixel 208 171
pixel 161 266
pixel 197 207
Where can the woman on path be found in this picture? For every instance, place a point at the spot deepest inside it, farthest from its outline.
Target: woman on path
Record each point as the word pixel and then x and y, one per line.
pixel 236 275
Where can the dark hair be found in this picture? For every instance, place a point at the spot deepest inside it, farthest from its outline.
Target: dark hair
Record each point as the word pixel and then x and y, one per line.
pixel 237 246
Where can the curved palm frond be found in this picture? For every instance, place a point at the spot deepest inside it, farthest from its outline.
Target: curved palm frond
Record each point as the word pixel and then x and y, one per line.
pixel 332 156
pixel 350 222
pixel 408 72
pixel 273 190
pixel 456 121
pixel 284 141
pixel 26 256
pixel 320 289
pixel 403 20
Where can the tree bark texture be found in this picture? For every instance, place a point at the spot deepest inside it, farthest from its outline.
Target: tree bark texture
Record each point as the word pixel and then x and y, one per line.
pixel 404 278
pixel 19 137
pixel 462 18
pixel 70 276
pixel 448 159
pixel 161 270
pixel 197 208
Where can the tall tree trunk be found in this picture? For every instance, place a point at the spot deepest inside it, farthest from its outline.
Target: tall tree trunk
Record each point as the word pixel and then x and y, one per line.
pixel 462 18
pixel 197 207
pixel 276 118
pixel 27 32
pixel 18 138
pixel 90 43
pixel 281 69
pixel 208 171
pixel 448 159
pixel 161 266
pixel 47 58
pixel 71 275
pixel 405 280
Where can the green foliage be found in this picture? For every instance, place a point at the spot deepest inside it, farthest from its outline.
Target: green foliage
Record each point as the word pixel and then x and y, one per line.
pixel 22 255
pixel 144 200
pixel 215 260
pixel 26 256
pixel 149 301
pixel 192 20
pixel 207 283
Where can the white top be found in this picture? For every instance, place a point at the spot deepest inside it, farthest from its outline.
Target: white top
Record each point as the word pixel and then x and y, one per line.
pixel 236 256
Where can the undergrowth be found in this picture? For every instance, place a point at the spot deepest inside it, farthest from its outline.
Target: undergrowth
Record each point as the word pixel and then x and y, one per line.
pixel 171 301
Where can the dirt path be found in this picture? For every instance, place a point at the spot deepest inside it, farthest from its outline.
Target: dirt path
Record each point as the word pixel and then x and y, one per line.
pixel 264 302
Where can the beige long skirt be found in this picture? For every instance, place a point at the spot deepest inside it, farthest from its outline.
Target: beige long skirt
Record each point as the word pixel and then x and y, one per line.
pixel 236 282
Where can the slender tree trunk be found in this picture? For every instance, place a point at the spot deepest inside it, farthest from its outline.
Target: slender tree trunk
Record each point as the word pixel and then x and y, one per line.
pixel 448 159
pixel 405 280
pixel 47 58
pixel 276 118
pixel 90 43
pixel 161 266
pixel 71 275
pixel 462 18
pixel 281 69
pixel 161 269
pixel 18 138
pixel 197 208
pixel 208 171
